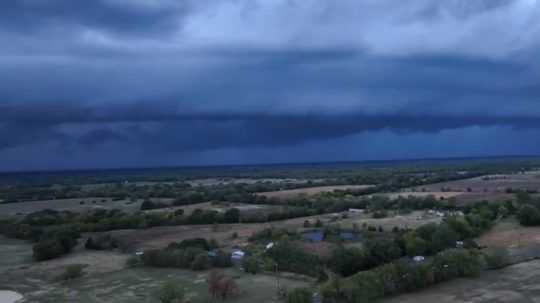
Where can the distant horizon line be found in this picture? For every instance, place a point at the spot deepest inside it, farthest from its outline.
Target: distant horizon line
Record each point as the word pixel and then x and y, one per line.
pixel 299 163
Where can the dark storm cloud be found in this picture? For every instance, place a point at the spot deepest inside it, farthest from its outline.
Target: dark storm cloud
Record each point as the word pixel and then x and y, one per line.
pixel 196 77
pixel 115 16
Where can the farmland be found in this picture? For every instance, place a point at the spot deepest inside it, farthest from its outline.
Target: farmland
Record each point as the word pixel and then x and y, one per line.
pixel 327 221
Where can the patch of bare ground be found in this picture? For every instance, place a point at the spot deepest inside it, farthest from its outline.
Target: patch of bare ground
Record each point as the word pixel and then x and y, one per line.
pixel 310 191
pixel 509 234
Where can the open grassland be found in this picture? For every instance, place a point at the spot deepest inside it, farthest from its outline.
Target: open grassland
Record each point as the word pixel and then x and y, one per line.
pixel 14 253
pixel 411 220
pixel 516 284
pixel 106 279
pixel 310 191
pixel 74 205
pixel 439 195
pixel 509 234
pixel 488 184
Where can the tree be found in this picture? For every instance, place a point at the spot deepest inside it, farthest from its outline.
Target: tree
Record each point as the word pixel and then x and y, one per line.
pixel 220 286
pixel 232 215
pixel 529 215
pixel 201 262
pixel 300 295
pixel 251 265
pixel 47 249
pixel 414 245
pixel 444 237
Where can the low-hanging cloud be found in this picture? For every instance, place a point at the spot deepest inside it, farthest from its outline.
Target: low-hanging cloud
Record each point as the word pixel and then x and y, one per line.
pixel 192 76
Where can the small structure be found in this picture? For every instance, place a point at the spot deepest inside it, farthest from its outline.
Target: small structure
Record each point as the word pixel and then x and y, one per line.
pixel 419 258
pixel 313 236
pixel 237 255
pixel 269 245
pixel 212 254
pixel 459 244
pixel 356 210
pixel 139 253
pixel 348 235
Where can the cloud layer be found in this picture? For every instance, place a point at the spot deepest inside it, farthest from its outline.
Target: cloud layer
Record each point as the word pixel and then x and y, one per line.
pixel 216 81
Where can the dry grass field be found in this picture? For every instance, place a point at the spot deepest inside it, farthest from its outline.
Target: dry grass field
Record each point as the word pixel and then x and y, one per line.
pixel 412 220
pixel 74 205
pixel 487 184
pixel 437 194
pixel 509 234
pixel 310 191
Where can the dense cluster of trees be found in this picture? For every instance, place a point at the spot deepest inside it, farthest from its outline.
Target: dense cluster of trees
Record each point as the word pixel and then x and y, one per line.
pixel 174 183
pixel 190 254
pixel 403 276
pixel 529 209
pixel 55 243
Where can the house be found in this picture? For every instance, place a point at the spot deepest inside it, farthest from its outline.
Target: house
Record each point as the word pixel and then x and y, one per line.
pixel 356 210
pixel 459 244
pixel 419 258
pixel 348 235
pixel 313 236
pixel 269 245
pixel 237 255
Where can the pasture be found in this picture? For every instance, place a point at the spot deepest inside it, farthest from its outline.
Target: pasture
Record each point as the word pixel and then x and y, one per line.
pixel 74 205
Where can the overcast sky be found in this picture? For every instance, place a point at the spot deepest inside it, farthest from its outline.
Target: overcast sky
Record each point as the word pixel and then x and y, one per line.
pixel 123 83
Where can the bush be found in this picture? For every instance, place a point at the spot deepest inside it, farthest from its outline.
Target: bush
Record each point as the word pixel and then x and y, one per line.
pixel 103 242
pixel 300 295
pixel 47 249
pixel 201 262
pixel 496 258
pixel 71 272
pixel 529 215
pixel 171 292
pixel 134 261
pixel 379 214
pixel 251 265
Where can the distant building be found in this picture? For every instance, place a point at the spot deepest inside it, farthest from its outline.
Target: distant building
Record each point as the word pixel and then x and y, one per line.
pixel 237 255
pixel 313 236
pixel 419 258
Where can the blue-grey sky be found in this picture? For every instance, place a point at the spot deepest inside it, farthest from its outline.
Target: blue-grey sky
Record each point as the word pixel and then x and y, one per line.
pixel 121 83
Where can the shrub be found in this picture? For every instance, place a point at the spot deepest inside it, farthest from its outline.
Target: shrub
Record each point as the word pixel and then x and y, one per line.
pixel 103 242
pixel 47 249
pixel 496 258
pixel 134 261
pixel 251 265
pixel 220 286
pixel 529 215
pixel 201 262
pixel 171 292
pixel 300 295
pixel 71 272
